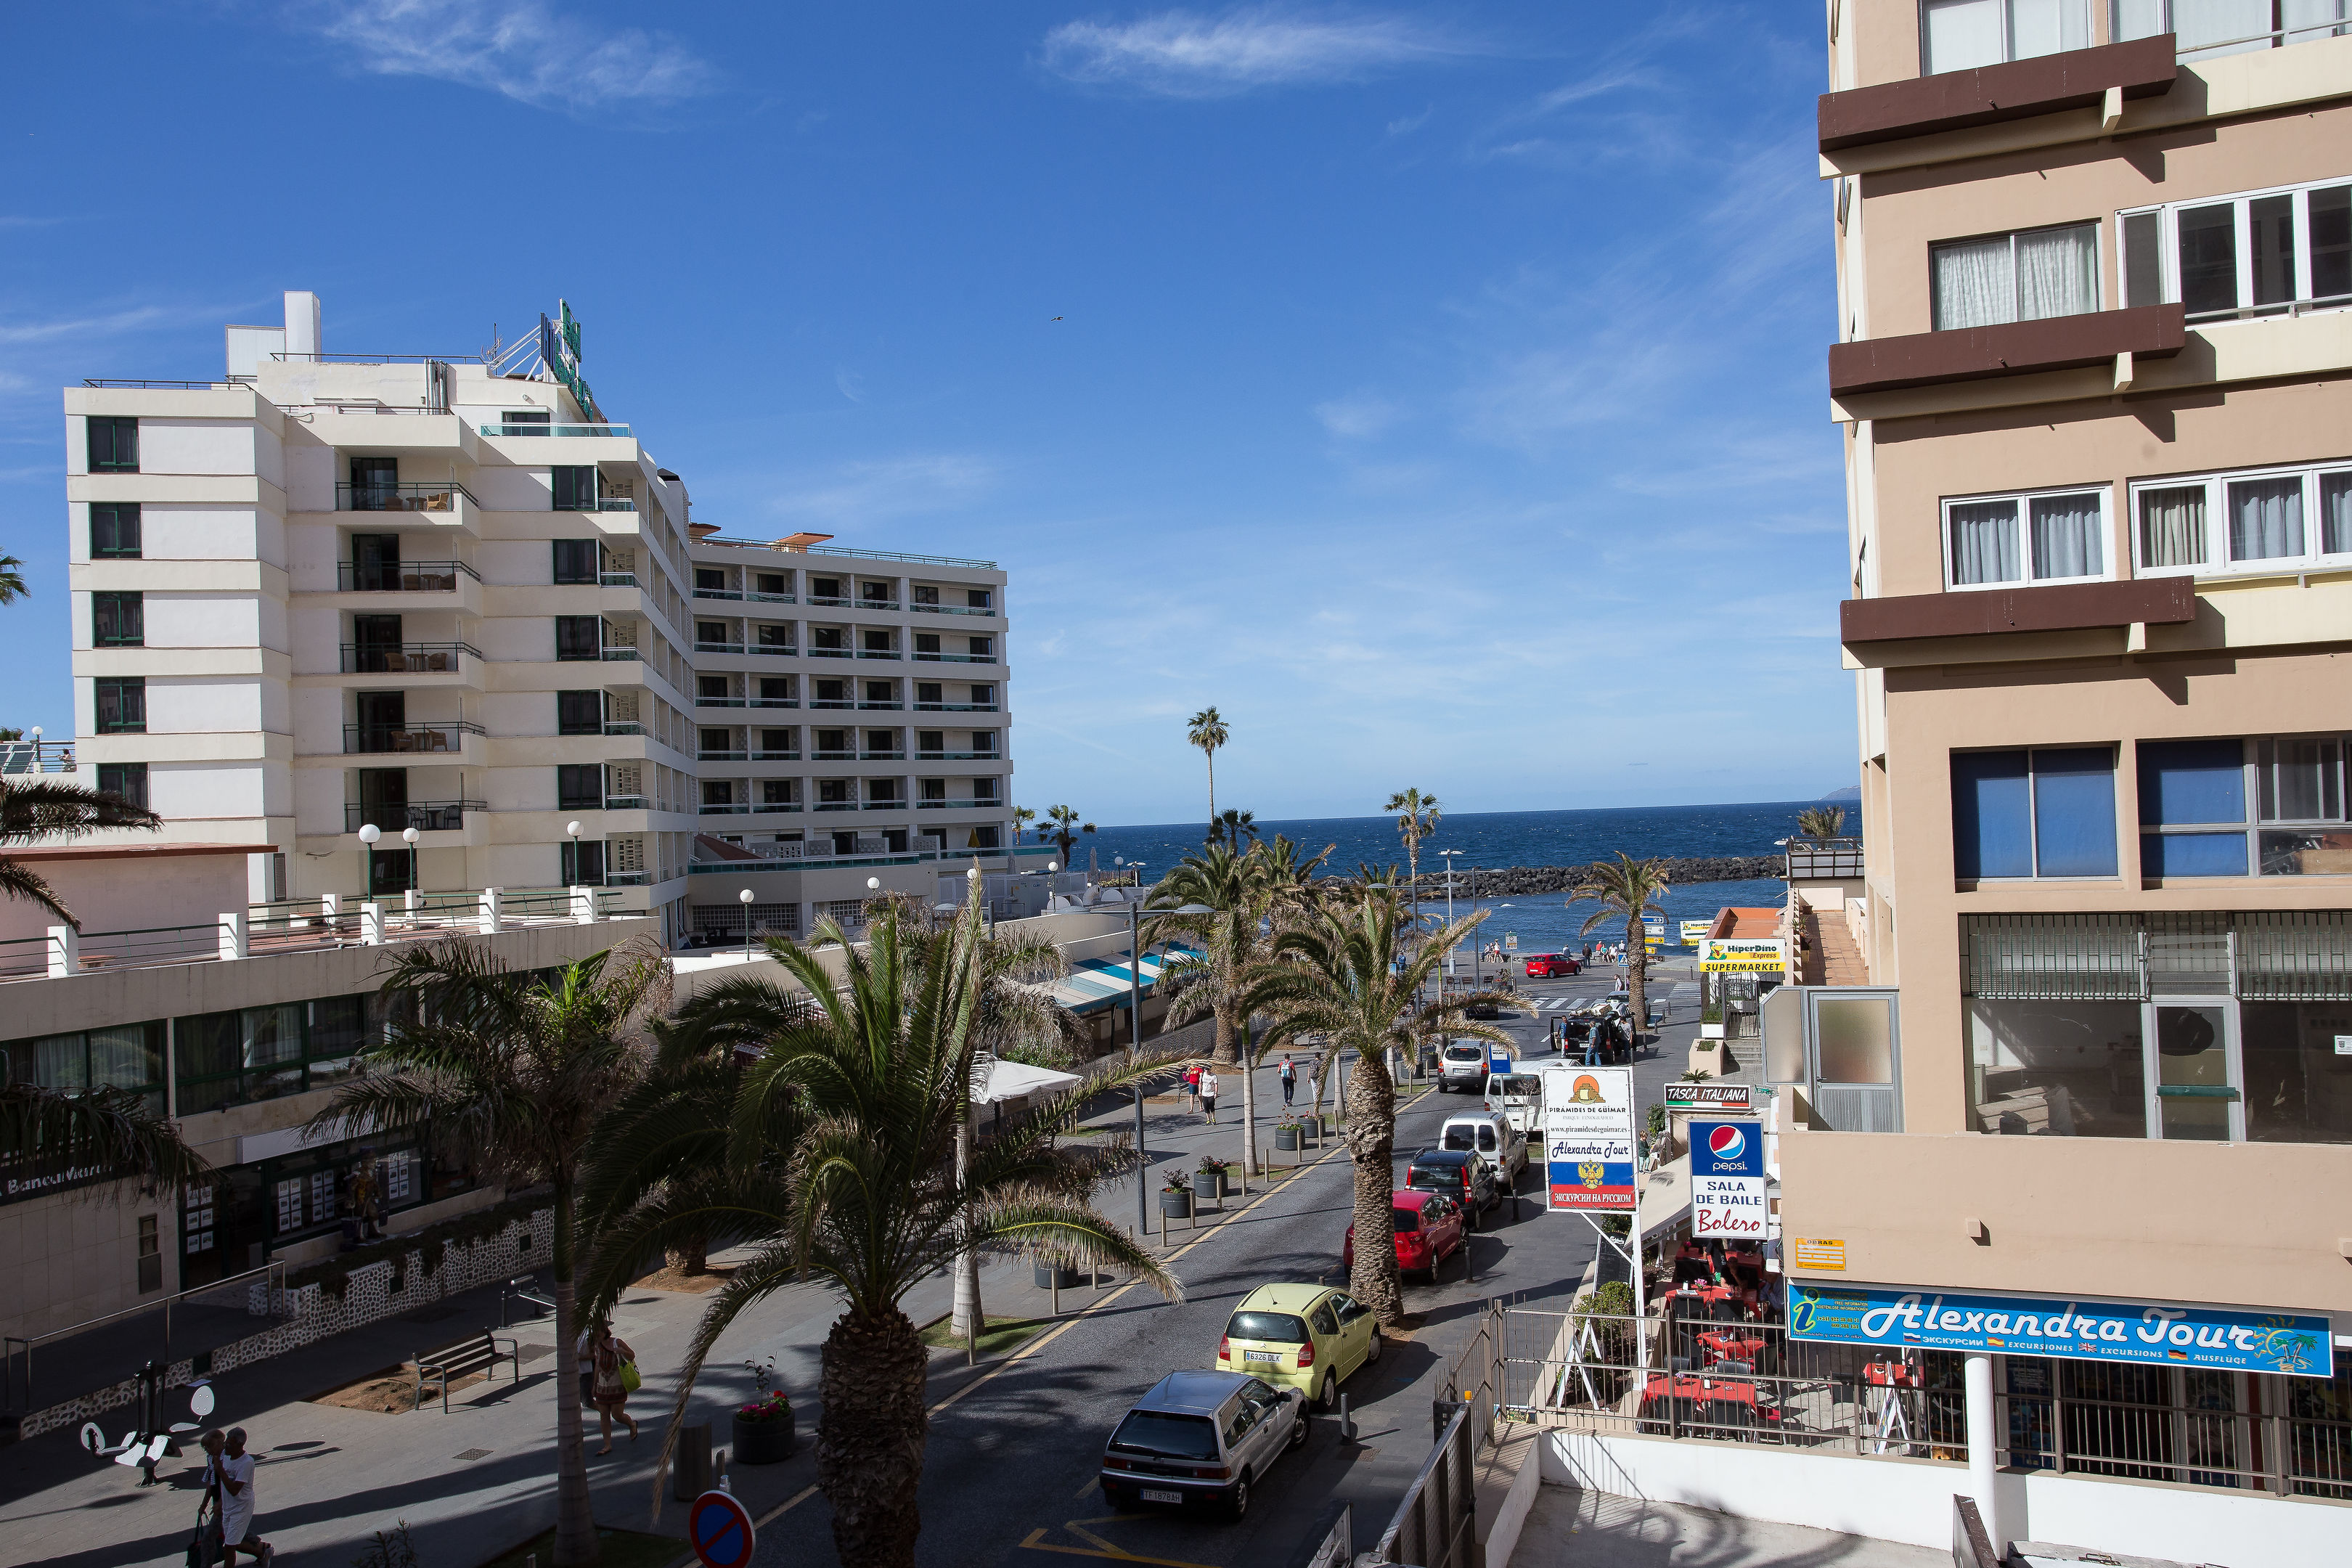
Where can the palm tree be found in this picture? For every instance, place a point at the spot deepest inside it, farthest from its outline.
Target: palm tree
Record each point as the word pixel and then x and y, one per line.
pixel 1631 888
pixel 42 809
pixel 1821 823
pixel 12 579
pixel 1021 817
pixel 1065 829
pixel 1233 826
pixel 1232 942
pixel 1207 730
pixel 844 1141
pixel 525 1070
pixel 1343 974
pixel 108 1128
pixel 1417 818
pixel 666 1134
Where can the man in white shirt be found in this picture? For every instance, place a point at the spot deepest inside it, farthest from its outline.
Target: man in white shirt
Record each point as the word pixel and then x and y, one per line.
pixel 1209 1094
pixel 234 1471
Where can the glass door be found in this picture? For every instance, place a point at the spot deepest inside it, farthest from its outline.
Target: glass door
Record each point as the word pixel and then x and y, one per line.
pixel 2195 1077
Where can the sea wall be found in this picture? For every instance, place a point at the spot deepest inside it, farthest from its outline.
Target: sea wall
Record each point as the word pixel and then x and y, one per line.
pixel 1511 881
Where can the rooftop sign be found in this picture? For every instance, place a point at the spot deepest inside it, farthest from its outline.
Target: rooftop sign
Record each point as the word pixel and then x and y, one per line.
pixel 559 346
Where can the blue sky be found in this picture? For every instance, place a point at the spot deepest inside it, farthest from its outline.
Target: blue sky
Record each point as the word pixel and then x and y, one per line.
pixel 1436 390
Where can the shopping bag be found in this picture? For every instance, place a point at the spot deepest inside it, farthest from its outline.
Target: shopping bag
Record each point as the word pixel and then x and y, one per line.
pixel 629 1378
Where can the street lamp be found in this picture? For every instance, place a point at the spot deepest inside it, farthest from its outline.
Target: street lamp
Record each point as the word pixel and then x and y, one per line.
pixel 408 837
pixel 1449 854
pixel 744 898
pixel 1135 1034
pixel 572 875
pixel 369 834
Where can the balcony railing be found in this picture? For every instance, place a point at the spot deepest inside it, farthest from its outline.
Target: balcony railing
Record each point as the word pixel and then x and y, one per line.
pixel 833 756
pixel 725 808
pixel 779 649
pixel 839 805
pixel 1824 860
pixel 628 878
pixel 955 658
pixel 404 657
pixel 881 756
pixel 701 646
pixel 722 756
pixel 960 756
pixel 952 609
pixel 401 576
pixel 721 702
pixel 628 802
pixel 425 495
pixel 769 805
pixel 611 503
pixel 424 815
pixel 618 655
pixel 828 653
pixel 555 430
pixel 877 653
pixel 831 599
pixel 880 707
pixel 745 594
pixel 436 737
pixel 775 701
pixel 616 579
pixel 831 702
pixel 877 603
pixel 972 804
pixel 623 726
pixel 775 756
pixel 954 707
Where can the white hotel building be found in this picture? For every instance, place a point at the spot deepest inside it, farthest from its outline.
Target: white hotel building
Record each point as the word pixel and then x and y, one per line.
pixel 333 591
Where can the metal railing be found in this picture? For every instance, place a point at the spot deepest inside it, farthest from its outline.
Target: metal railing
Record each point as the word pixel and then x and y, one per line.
pixel 799 862
pixel 36 757
pixel 819 651
pixel 616 579
pixel 1436 1525
pixel 557 430
pixel 954 707
pixel 423 495
pixel 618 655
pixel 2277 38
pixel 777 650
pixel 701 646
pixel 2178 1443
pixel 1824 859
pixel 877 653
pixel 105 381
pixel 952 609
pixel 258 1292
pixel 844 553
pixel 433 738
pixel 960 756
pixel 955 658
pixel 972 804
pixel 424 815
pixel 404 657
pixel 727 808
pixel 401 576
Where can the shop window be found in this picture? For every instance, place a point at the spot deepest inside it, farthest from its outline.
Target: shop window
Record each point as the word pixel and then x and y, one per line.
pixel 2059 1068
pixel 2043 813
pixel 264 1053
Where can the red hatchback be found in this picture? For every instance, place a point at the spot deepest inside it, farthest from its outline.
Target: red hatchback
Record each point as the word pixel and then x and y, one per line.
pixel 1552 965
pixel 1428 1227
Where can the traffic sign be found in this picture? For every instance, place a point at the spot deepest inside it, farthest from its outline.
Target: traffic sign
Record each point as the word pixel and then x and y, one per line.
pixel 721 1530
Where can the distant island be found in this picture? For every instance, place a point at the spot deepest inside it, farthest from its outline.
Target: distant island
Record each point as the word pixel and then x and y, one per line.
pixel 1851 792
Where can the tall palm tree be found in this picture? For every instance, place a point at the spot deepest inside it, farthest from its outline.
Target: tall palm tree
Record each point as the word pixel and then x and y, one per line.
pixel 1417 818
pixel 1232 942
pixel 1821 823
pixel 1022 817
pixel 41 810
pixel 666 1133
pixel 11 582
pixel 1632 889
pixel 1207 730
pixel 1065 829
pixel 524 1069
pixel 843 1139
pixel 1344 974
pixel 107 1128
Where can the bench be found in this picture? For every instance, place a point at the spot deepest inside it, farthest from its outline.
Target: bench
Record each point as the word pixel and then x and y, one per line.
pixel 481 1354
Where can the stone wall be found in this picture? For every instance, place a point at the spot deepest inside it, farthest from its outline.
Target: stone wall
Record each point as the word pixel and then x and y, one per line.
pixel 308 1314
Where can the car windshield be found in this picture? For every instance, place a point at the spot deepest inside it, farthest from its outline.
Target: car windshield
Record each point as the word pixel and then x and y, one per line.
pixel 1436 1178
pixel 1272 1328
pixel 1406 1221
pixel 1464 1054
pixel 1460 1136
pixel 1169 1436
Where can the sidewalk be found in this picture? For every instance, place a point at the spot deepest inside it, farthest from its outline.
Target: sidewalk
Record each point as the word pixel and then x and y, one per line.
pixel 1569 1528
pixel 474 1482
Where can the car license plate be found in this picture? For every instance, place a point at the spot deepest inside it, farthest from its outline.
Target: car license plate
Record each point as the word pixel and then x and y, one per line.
pixel 1261 1355
pixel 1152 1494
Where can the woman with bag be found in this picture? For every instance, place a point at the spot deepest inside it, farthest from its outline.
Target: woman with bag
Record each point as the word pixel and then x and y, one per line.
pixel 615 1375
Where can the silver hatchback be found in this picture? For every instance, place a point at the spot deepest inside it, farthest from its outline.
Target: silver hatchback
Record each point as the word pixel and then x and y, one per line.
pixel 1202 1437
pixel 1462 1067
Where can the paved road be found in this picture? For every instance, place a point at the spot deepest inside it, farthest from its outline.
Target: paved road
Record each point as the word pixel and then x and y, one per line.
pixel 1009 1467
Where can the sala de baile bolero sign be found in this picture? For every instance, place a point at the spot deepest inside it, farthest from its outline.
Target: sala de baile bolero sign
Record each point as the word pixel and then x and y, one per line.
pixel 2219 1338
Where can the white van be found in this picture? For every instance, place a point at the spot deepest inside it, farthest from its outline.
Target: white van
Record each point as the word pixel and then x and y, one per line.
pixel 1518 1097
pixel 1490 1133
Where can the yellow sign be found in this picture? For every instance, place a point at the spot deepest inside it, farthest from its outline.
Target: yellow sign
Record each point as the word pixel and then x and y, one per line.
pixel 1743 955
pixel 1823 1257
pixel 1694 931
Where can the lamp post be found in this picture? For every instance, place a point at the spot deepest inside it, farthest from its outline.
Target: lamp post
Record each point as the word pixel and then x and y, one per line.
pixel 369 834
pixel 571 872
pixel 1135 1044
pixel 744 898
pixel 408 837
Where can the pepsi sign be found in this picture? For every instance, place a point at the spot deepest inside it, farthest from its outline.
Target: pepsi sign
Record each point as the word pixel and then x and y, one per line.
pixel 1727 1195
pixel 1727 1149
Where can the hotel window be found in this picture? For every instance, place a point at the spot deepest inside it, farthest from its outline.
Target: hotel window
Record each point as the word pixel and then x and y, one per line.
pixel 575 561
pixel 775 792
pixel 114 530
pixel 2194 801
pixel 977 598
pixel 117 620
pixel 121 704
pixel 2029 276
pixel 129 1058
pixel 575 487
pixel 984 647
pixel 582 862
pixel 580 786
pixel 579 637
pixel 579 712
pixel 2042 813
pixel 262 1053
pixel 1962 35
pixel 127 780
pixel 2208 29
pixel 983 696
pixel 113 446
pixel 2266 521
pixel 2000 541
pixel 2258 253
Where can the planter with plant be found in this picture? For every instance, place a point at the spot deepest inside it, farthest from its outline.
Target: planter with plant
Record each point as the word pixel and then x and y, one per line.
pixel 764 1429
pixel 1176 1196
pixel 1208 1178
pixel 1286 1133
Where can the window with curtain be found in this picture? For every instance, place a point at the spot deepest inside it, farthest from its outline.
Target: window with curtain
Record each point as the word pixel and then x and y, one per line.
pixel 2258 253
pixel 2052 538
pixel 2048 811
pixel 1962 35
pixel 2271 521
pixel 2029 276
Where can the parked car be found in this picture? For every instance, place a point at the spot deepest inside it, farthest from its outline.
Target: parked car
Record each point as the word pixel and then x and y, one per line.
pixel 1519 1097
pixel 1463 1175
pixel 1490 1133
pixel 1428 1229
pixel 1552 966
pixel 1305 1336
pixel 1463 1066
pixel 1202 1437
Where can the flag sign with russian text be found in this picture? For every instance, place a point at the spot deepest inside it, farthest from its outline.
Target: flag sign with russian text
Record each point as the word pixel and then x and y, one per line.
pixel 1588 1129
pixel 1728 1179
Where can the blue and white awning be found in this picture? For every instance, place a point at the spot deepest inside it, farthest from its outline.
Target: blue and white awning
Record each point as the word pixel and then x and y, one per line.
pixel 1100 983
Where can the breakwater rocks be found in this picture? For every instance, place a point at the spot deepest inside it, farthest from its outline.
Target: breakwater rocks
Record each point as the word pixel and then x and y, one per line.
pixel 1510 881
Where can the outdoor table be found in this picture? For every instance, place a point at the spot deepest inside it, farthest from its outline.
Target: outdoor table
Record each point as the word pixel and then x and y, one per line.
pixel 1733 1347
pixel 1893 1375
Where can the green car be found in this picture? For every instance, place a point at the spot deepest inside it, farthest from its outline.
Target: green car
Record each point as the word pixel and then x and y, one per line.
pixel 1307 1337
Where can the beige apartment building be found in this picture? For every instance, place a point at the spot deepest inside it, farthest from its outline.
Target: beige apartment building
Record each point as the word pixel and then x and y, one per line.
pixel 438 623
pixel 2095 384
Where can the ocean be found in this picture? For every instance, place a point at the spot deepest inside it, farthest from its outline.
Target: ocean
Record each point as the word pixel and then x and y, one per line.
pixel 1542 922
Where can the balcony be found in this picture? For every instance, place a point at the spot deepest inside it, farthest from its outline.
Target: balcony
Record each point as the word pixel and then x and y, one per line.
pixel 722 756
pixel 372 739
pixel 775 756
pixel 951 610
pixel 881 756
pixel 828 653
pixel 618 655
pixel 2069 606
pixel 735 593
pixel 2015 89
pixel 2012 348
pixel 767 806
pixel 616 579
pixel 428 495
pixel 839 805
pixel 880 707
pixel 590 431
pixel 623 727
pixel 1825 859
pixel 774 650
pixel 832 756
pixel 424 815
pixel 724 701
pixel 960 756
pixel 401 576
pixel 972 804
pixel 718 648
pixel 627 802
pixel 831 599
pixel 877 653
pixel 877 603
pixel 404 657
pixel 831 702
pixel 955 658
pixel 775 701
pixel 628 878
pixel 954 707
pixel 609 503
pixel 726 809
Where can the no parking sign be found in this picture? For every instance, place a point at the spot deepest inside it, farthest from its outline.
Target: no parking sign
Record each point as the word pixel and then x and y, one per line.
pixel 721 1530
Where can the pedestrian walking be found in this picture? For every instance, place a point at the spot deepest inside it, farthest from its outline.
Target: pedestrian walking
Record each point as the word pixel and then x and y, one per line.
pixel 1289 1075
pixel 228 1475
pixel 616 1371
pixel 584 1355
pixel 1209 1095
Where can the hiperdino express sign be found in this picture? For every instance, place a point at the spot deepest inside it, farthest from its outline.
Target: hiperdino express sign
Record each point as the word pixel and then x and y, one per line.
pixel 1742 955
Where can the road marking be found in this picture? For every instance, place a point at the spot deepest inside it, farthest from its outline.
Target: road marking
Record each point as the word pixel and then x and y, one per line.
pixel 792 1502
pixel 1036 1544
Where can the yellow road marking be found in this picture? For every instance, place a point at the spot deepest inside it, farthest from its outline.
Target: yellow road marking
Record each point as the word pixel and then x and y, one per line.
pixel 792 1502
pixel 1037 1543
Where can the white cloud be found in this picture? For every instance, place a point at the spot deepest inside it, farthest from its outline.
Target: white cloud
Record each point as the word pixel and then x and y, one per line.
pixel 1359 416
pixel 1181 54
pixel 523 49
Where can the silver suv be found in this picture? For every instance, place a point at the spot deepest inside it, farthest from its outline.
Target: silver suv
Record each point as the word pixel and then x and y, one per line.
pixel 1202 1437
pixel 1462 1066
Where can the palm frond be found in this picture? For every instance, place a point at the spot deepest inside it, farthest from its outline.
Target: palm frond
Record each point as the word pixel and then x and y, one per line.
pixel 107 1128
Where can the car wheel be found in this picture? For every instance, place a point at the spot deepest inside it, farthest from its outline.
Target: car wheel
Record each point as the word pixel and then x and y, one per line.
pixel 1299 1431
pixel 1372 1352
pixel 1329 1399
pixel 1237 1501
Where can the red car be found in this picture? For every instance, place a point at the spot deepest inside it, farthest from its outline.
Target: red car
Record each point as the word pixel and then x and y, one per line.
pixel 1552 965
pixel 1428 1228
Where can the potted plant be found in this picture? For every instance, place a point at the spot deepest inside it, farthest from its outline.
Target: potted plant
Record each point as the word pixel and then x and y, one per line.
pixel 764 1429
pixel 1176 1196
pixel 1053 1276
pixel 1285 1133
pixel 1208 1178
